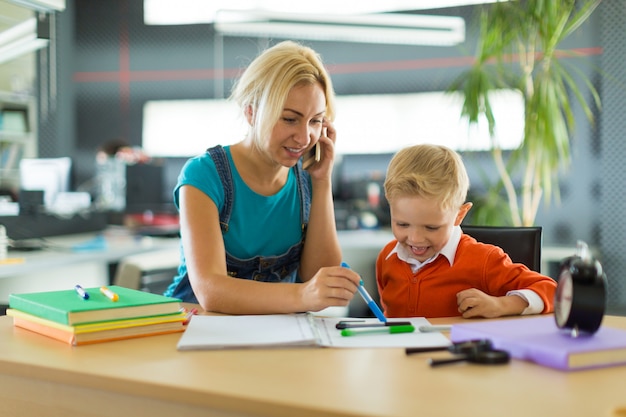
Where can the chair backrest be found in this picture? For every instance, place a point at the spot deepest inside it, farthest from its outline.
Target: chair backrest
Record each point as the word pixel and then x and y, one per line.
pixel 522 244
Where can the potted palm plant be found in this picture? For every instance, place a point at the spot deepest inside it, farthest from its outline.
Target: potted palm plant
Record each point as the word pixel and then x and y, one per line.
pixel 517 48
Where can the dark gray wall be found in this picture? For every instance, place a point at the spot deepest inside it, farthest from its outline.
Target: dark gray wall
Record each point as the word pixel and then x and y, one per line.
pixel 609 204
pixel 110 64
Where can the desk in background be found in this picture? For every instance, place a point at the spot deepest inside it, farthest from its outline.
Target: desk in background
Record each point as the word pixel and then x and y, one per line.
pixel 61 267
pixel 148 376
pixel 48 270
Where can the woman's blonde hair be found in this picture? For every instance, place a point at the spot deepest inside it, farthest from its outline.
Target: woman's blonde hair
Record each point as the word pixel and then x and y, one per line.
pixel 266 83
pixel 428 171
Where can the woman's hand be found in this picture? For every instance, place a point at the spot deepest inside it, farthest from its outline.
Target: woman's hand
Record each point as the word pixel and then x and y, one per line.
pixel 330 286
pixel 322 170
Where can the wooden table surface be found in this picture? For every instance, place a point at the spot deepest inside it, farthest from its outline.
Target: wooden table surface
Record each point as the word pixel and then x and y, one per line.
pixel 148 376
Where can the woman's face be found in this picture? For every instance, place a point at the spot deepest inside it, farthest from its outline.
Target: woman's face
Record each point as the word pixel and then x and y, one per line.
pixel 299 126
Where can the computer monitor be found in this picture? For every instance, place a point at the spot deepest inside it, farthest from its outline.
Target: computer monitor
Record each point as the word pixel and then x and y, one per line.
pixel 144 188
pixel 51 175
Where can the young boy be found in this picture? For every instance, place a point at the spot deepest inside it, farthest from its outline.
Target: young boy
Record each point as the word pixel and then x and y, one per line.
pixel 432 269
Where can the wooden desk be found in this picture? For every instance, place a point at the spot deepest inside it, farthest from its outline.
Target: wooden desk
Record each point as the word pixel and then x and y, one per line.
pixel 148 377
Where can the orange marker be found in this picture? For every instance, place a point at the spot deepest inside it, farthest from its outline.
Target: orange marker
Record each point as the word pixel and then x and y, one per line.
pixel 11 261
pixel 191 313
pixel 110 294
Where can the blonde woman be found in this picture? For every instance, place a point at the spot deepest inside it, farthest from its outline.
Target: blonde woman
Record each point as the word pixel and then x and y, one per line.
pixel 258 231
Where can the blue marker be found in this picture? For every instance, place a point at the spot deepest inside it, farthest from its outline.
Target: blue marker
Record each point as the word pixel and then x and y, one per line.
pixel 81 292
pixel 368 299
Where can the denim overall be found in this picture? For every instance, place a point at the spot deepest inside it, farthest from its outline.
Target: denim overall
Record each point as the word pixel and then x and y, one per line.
pixel 281 268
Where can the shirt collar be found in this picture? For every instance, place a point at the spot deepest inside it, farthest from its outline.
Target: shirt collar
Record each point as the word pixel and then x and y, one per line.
pixel 449 250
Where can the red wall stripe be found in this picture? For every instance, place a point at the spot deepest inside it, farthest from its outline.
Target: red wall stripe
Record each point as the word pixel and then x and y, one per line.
pixel 125 75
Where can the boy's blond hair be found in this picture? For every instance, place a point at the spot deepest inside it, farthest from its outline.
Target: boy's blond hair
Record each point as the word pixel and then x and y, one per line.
pixel 266 83
pixel 428 171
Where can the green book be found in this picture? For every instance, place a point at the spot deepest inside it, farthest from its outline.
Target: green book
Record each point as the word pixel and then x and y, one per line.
pixel 68 307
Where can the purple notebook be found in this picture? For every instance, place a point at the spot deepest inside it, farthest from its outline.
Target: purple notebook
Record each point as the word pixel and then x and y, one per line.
pixel 539 340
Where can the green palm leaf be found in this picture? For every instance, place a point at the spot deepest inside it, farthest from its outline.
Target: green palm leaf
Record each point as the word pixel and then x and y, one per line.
pixel 518 48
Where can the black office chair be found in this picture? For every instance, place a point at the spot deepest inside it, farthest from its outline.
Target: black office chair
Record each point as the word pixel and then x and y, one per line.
pixel 522 244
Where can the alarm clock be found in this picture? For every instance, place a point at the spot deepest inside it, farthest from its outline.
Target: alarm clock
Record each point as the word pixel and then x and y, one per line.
pixel 580 299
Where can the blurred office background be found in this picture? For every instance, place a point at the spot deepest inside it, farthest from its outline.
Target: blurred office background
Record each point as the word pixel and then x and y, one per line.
pixel 106 64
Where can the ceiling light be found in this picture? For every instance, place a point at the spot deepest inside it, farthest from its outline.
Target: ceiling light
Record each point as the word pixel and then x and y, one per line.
pixel 402 29
pixel 19 40
pixel 187 12
pixel 41 5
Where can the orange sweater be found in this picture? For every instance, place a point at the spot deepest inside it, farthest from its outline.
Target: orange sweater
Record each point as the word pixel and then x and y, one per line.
pixel 431 292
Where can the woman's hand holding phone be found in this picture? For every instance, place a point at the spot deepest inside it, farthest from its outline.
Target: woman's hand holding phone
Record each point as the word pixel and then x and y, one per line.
pixel 312 156
pixel 322 170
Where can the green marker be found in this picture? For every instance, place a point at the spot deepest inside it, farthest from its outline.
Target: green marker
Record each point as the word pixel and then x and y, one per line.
pixel 391 329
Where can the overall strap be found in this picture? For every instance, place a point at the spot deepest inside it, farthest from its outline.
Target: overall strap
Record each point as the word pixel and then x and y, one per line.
pixel 218 154
pixel 305 197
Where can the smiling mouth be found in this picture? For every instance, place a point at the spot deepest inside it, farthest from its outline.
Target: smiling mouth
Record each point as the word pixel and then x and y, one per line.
pixel 296 151
pixel 418 250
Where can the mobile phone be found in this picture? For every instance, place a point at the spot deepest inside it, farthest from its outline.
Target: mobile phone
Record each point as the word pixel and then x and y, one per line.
pixel 312 156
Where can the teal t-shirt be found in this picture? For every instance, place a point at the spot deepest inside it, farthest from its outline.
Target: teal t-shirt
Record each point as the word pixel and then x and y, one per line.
pixel 259 225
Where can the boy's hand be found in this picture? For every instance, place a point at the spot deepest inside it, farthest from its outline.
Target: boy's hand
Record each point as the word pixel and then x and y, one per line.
pixel 475 303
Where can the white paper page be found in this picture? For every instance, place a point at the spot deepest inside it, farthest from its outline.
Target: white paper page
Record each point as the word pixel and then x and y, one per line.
pixel 251 331
pixel 330 336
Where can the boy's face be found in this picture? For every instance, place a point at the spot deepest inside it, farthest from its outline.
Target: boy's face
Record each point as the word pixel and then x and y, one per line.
pixel 422 226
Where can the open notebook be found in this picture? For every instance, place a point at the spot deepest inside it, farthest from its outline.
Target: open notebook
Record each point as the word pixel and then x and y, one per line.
pixel 292 330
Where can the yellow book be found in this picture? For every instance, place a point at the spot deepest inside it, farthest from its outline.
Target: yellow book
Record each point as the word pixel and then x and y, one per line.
pixel 179 316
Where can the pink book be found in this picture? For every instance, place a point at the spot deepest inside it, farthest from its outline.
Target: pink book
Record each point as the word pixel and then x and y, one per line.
pixel 539 340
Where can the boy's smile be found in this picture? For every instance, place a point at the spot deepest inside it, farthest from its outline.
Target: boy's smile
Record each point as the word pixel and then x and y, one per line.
pixel 421 226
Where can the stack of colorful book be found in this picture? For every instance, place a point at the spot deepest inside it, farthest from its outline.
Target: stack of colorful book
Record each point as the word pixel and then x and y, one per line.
pixel 93 315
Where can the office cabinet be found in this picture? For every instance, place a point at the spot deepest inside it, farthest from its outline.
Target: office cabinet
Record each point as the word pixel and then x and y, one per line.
pixel 17 136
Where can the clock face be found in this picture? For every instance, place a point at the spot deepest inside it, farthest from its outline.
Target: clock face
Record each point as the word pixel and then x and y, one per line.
pixel 563 299
pixel 580 298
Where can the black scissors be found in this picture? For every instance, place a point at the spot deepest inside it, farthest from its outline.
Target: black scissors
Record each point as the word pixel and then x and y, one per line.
pixel 475 351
